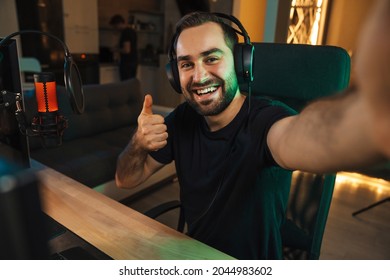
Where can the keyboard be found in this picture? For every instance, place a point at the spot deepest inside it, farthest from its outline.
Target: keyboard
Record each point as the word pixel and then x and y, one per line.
pixel 74 253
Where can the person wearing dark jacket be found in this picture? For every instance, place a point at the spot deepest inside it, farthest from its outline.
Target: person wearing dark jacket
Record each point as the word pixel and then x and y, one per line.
pixel 127 48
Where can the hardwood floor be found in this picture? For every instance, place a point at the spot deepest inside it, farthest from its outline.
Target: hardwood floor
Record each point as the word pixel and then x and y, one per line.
pixel 366 235
pixel 362 237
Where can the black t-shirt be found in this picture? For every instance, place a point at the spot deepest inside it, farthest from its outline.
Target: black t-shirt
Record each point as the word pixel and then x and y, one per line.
pixel 225 203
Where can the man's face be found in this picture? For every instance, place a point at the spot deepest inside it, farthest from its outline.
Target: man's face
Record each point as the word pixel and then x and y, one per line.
pixel 206 69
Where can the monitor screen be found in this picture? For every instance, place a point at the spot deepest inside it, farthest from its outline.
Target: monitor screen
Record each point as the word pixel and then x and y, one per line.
pixel 10 85
pixel 22 229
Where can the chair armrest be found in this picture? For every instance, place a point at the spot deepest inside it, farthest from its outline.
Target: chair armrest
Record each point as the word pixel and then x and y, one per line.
pixel 162 208
pixel 165 207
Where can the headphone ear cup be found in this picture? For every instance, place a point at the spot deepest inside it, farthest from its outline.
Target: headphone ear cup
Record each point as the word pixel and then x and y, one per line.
pixel 173 75
pixel 243 62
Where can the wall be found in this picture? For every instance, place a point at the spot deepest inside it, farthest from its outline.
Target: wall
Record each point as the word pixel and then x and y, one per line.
pixel 345 21
pixel 171 16
pixel 164 93
pixel 108 8
pixel 81 26
pixel 221 6
pixel 251 14
pixel 8 20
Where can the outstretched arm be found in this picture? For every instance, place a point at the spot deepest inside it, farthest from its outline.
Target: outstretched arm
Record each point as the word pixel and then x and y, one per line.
pixel 373 73
pixel 348 131
pixel 134 164
pixel 329 135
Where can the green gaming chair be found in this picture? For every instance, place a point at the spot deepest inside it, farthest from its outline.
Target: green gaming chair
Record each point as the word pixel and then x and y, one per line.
pixel 295 75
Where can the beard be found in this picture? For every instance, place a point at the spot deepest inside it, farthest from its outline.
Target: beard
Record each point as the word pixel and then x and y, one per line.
pixel 212 107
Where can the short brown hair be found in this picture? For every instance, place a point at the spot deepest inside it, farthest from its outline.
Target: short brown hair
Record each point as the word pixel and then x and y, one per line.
pixel 198 18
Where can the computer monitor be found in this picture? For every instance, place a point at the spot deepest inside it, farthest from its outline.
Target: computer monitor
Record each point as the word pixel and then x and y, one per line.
pixel 25 230
pixel 22 225
pixel 10 85
pixel 23 233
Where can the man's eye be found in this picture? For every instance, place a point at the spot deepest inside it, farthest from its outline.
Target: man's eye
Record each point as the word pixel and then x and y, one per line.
pixel 185 65
pixel 212 59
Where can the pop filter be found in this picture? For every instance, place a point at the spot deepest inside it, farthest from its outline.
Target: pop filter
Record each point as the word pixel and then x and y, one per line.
pixel 74 85
pixel 72 78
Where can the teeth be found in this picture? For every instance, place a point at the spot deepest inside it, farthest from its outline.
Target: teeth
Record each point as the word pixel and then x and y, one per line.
pixel 205 91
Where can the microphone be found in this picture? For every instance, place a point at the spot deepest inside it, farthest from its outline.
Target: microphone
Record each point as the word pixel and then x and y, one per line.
pixel 72 77
pixel 49 124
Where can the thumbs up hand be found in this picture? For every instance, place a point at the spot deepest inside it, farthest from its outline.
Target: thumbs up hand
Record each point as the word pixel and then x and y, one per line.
pixel 147 107
pixel 152 133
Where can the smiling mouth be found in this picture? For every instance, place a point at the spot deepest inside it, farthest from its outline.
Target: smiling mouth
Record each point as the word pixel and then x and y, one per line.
pixel 204 91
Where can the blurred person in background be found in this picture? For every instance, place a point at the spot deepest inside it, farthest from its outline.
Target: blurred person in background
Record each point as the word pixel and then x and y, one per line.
pixel 126 52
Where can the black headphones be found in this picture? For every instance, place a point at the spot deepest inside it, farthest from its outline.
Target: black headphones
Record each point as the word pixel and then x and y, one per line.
pixel 242 53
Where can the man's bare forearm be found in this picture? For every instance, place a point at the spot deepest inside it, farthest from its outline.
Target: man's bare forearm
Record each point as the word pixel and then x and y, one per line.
pixel 134 164
pixel 373 71
pixel 131 165
pixel 329 135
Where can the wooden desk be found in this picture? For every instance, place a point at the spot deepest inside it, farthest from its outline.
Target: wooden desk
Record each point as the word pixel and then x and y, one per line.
pixel 114 228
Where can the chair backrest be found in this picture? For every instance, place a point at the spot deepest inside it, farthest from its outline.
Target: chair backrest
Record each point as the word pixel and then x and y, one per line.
pixel 296 74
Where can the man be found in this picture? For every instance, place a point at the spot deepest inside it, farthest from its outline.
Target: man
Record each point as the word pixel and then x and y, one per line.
pixel 128 59
pixel 219 146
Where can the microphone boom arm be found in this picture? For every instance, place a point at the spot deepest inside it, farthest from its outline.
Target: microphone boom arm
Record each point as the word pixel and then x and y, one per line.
pixel 69 68
pixel 37 128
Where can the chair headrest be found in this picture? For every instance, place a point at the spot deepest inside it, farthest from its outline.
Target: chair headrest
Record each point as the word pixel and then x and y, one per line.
pixel 302 72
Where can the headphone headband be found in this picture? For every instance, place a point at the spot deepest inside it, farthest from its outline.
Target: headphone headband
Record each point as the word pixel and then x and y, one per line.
pixel 232 18
pixel 243 55
pixel 235 20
